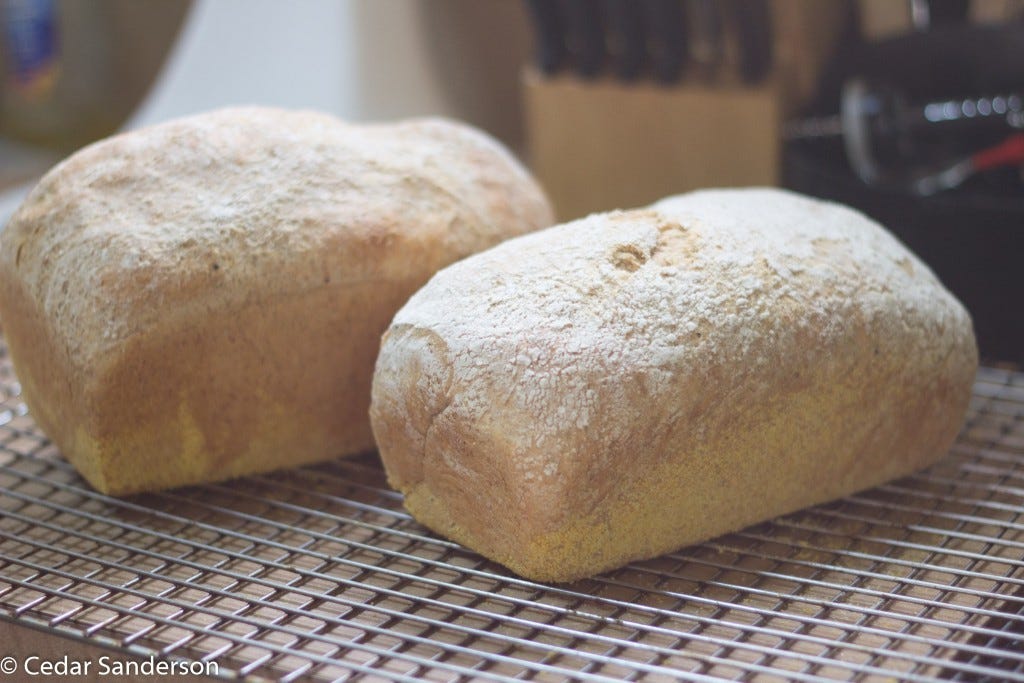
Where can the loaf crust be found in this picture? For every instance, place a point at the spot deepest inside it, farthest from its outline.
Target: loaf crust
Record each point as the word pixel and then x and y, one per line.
pixel 627 384
pixel 205 298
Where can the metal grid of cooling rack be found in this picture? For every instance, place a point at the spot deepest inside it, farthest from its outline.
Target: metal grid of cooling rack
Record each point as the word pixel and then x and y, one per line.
pixel 317 574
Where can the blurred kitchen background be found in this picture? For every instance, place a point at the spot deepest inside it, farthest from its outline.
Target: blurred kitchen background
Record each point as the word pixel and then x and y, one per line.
pixel 910 110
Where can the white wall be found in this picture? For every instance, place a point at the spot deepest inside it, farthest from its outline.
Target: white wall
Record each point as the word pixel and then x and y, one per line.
pixel 360 59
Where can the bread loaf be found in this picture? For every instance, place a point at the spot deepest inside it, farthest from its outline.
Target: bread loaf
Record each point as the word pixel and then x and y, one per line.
pixel 630 383
pixel 205 298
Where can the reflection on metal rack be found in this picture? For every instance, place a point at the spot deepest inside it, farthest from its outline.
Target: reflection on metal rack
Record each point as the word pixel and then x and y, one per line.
pixel 318 574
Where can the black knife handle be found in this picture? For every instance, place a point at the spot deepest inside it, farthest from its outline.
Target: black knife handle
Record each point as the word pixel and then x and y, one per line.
pixel 585 35
pixel 668 38
pixel 706 41
pixel 549 27
pixel 627 37
pixel 754 35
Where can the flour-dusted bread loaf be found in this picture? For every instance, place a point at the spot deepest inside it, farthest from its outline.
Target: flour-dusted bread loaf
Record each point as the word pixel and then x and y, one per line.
pixel 633 382
pixel 205 298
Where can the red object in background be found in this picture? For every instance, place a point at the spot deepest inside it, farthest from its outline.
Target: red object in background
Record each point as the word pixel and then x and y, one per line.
pixel 1009 152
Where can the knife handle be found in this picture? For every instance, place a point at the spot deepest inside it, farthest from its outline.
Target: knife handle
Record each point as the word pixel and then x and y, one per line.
pixel 627 37
pixel 754 35
pixel 549 27
pixel 706 42
pixel 668 43
pixel 585 35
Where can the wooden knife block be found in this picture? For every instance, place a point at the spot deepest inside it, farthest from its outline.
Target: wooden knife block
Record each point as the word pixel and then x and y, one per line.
pixel 602 144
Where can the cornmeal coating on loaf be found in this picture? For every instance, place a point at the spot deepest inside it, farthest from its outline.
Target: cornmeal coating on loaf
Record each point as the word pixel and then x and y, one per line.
pixel 633 382
pixel 205 298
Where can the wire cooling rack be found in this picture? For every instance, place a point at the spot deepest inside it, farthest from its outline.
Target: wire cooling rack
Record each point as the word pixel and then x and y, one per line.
pixel 318 574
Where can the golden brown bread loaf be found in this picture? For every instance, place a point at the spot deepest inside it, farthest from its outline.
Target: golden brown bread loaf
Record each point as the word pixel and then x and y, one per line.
pixel 633 382
pixel 205 298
